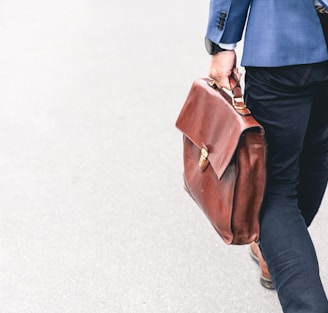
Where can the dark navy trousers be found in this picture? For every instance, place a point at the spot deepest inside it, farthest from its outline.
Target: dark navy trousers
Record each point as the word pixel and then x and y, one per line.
pixel 292 104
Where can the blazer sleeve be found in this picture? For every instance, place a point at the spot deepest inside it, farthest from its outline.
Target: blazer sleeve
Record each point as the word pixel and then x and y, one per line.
pixel 227 20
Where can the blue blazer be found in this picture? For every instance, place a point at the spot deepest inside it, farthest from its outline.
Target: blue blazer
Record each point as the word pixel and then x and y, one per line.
pixel 278 32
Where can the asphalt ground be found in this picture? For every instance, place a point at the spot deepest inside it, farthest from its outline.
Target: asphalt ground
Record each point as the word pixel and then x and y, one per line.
pixel 93 216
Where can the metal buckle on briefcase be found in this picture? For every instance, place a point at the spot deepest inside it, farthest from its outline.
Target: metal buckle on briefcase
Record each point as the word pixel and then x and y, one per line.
pixel 238 102
pixel 203 160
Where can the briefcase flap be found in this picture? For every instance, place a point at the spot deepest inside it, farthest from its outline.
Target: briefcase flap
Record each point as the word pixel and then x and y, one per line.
pixel 209 120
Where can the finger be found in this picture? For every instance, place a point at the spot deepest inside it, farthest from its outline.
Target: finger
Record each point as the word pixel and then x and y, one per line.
pixel 237 74
pixel 223 83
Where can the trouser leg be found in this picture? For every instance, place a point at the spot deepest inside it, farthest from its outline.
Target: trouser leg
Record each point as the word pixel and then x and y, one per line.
pixel 282 100
pixel 314 160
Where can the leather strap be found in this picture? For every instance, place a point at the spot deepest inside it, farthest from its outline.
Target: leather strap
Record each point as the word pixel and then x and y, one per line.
pixel 237 100
pixel 235 86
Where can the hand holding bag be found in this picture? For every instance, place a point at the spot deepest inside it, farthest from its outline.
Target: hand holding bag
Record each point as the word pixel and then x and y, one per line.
pixel 224 160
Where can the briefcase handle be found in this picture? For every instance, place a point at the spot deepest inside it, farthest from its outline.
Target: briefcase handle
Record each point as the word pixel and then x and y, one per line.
pixel 237 98
pixel 235 86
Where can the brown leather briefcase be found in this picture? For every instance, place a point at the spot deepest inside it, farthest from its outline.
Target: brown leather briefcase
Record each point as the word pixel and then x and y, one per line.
pixel 224 160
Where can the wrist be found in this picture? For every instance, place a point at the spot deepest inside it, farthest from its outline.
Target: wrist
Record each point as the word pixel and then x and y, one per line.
pixel 214 48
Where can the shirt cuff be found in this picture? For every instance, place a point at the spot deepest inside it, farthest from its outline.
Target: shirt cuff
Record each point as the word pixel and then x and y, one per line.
pixel 227 46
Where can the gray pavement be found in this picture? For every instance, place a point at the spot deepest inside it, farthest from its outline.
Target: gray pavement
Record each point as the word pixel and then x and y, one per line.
pixel 93 216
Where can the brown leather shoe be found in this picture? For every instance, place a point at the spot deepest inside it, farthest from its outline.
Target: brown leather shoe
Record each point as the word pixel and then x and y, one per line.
pixel 256 255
